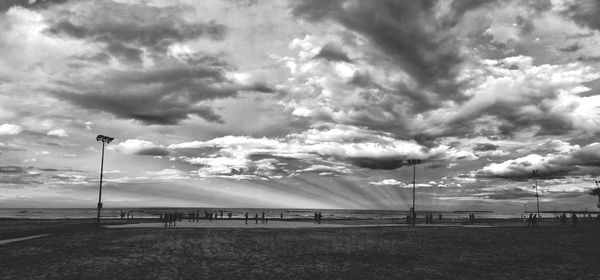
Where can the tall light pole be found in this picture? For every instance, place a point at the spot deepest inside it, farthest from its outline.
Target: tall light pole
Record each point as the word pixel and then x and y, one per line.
pixel 103 139
pixel 537 195
pixel 598 191
pixel 413 214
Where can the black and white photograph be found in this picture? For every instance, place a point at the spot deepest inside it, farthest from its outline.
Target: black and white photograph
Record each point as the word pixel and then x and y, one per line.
pixel 299 139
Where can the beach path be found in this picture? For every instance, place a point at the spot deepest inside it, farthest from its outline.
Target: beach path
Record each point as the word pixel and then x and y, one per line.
pixel 5 241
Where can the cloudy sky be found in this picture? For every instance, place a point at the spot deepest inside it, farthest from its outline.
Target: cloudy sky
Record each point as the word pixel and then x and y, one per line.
pixel 306 104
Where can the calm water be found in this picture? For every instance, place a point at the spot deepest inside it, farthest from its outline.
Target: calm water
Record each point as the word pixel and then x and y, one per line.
pixel 82 213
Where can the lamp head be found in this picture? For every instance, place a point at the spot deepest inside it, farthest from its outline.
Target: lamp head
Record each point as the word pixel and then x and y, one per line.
pixel 414 161
pixel 105 139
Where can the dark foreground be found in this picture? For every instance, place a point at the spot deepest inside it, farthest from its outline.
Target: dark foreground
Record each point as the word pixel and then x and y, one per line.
pixel 76 250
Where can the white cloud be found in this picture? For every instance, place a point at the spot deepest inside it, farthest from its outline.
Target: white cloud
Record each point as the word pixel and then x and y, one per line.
pixel 61 133
pixel 514 91
pixel 569 161
pixel 140 147
pixel 326 169
pixel 10 129
pixel 168 174
pixel 503 33
pixel 389 182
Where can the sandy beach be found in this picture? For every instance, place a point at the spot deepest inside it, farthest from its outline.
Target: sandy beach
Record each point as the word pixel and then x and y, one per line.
pixel 76 249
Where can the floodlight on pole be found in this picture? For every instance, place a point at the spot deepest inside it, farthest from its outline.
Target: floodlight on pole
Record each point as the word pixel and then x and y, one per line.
pixel 103 139
pixel 413 213
pixel 598 186
pixel 535 173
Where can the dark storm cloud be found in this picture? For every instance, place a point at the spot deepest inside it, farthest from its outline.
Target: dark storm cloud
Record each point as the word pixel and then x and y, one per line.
pixel 483 147
pixel 589 58
pixel 126 30
pixel 436 165
pixel 171 89
pixel 364 80
pixel 421 38
pixel 332 52
pixel 460 7
pixel 512 118
pixel 538 5
pixel 377 163
pixel 157 151
pixel 14 169
pixel 406 32
pixel 48 169
pixel 101 57
pixel 162 95
pixel 524 24
pixel 550 124
pixel 570 48
pixel 588 155
pixel 158 96
pixel 40 4
pixel 585 12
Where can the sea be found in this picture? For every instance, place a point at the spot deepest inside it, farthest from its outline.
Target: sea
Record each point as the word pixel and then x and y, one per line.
pixel 289 214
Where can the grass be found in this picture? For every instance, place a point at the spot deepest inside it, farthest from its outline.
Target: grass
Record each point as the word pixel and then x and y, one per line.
pixel 550 252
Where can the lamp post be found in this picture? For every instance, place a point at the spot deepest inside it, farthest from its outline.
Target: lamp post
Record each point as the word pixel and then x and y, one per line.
pixel 537 195
pixel 598 191
pixel 413 214
pixel 103 139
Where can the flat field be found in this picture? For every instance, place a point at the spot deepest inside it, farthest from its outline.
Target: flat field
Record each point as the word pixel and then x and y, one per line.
pixel 77 250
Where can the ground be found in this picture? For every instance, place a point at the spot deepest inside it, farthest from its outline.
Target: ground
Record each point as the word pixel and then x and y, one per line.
pixel 77 250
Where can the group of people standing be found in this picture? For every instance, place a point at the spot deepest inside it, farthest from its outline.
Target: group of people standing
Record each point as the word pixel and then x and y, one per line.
pixel 171 218
pixel 471 218
pixel 429 219
pixel 317 217
pixel 533 220
pixel 574 219
pixel 213 215
pixel 263 218
pixel 128 213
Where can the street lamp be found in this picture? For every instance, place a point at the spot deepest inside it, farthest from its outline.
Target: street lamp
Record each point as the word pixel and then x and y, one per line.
pixel 103 139
pixel 535 173
pixel 413 214
pixel 598 191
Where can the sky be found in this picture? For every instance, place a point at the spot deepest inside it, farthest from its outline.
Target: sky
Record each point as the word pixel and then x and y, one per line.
pixel 300 104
